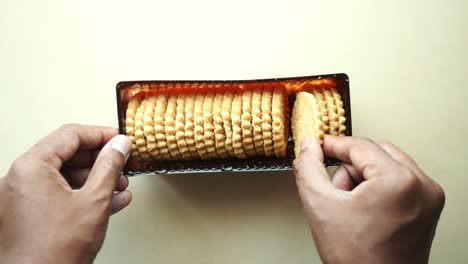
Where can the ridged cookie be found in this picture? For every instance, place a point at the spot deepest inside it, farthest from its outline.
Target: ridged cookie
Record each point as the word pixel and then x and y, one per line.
pixel 306 120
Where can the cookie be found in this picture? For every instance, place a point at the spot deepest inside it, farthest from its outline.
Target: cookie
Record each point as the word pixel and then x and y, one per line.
pixel 321 102
pixel 180 127
pixel 198 125
pixel 236 124
pixel 132 108
pixel 169 127
pixel 140 139
pixel 257 119
pixel 279 120
pixel 332 112
pixel 306 120
pixel 159 126
pixel 227 121
pixel 208 127
pixel 189 124
pixel 267 120
pixel 219 134
pixel 246 122
pixel 148 127
pixel 340 111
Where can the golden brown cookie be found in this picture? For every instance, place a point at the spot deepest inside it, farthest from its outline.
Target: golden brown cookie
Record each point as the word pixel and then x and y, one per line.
pixel 267 120
pixel 189 124
pixel 148 127
pixel 208 127
pixel 340 111
pixel 246 122
pixel 169 127
pixel 236 124
pixel 220 136
pixel 159 126
pixel 180 127
pixel 198 125
pixel 140 139
pixel 332 112
pixel 321 102
pixel 227 121
pixel 257 119
pixel 132 108
pixel 306 120
pixel 280 122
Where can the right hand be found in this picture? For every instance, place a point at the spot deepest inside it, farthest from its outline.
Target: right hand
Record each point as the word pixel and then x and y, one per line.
pixel 380 207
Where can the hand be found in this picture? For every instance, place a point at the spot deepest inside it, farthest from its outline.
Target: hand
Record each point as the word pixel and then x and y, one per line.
pixel 56 199
pixel 380 207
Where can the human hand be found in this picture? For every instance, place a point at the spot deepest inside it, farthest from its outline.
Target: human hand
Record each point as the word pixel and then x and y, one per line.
pixel 380 207
pixel 56 199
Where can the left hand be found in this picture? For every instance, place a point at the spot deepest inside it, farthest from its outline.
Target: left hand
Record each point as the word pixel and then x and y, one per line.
pixel 56 200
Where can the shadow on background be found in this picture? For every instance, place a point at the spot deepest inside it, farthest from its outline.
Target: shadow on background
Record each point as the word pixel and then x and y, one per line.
pixel 237 190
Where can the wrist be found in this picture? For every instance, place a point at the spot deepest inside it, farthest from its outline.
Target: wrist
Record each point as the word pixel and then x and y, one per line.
pixel 45 258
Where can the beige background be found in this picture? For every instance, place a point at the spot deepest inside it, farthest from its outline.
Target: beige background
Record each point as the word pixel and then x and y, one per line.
pixel 407 62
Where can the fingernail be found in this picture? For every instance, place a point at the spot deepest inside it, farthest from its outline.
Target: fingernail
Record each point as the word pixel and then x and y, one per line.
pixel 305 142
pixel 122 144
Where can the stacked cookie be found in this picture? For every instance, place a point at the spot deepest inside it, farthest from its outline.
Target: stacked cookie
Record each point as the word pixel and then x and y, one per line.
pixel 316 113
pixel 208 121
pixel 177 121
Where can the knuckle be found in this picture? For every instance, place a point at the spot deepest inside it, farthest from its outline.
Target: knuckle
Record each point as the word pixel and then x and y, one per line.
pixel 69 127
pixel 439 196
pixel 298 163
pixel 17 165
pixel 386 144
pixel 23 165
pixel 409 181
pixel 364 140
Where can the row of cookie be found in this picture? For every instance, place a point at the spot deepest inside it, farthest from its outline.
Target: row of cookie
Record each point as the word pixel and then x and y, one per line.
pixel 205 124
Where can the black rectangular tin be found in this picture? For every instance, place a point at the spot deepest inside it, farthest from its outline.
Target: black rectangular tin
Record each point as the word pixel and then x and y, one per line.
pixel 236 165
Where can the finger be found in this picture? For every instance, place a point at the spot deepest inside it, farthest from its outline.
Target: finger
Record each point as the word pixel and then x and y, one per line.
pixel 76 178
pixel 401 157
pixel 309 169
pixel 344 177
pixel 120 201
pixel 63 143
pixel 123 183
pixel 107 169
pixel 367 157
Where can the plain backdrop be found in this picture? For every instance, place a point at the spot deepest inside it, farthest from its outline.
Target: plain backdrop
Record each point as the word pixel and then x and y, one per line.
pixel 408 68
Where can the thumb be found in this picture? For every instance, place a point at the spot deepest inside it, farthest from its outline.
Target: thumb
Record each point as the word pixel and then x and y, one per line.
pixel 108 167
pixel 311 176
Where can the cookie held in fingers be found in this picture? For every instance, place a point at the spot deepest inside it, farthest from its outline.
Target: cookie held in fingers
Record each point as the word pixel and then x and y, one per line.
pixel 306 120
